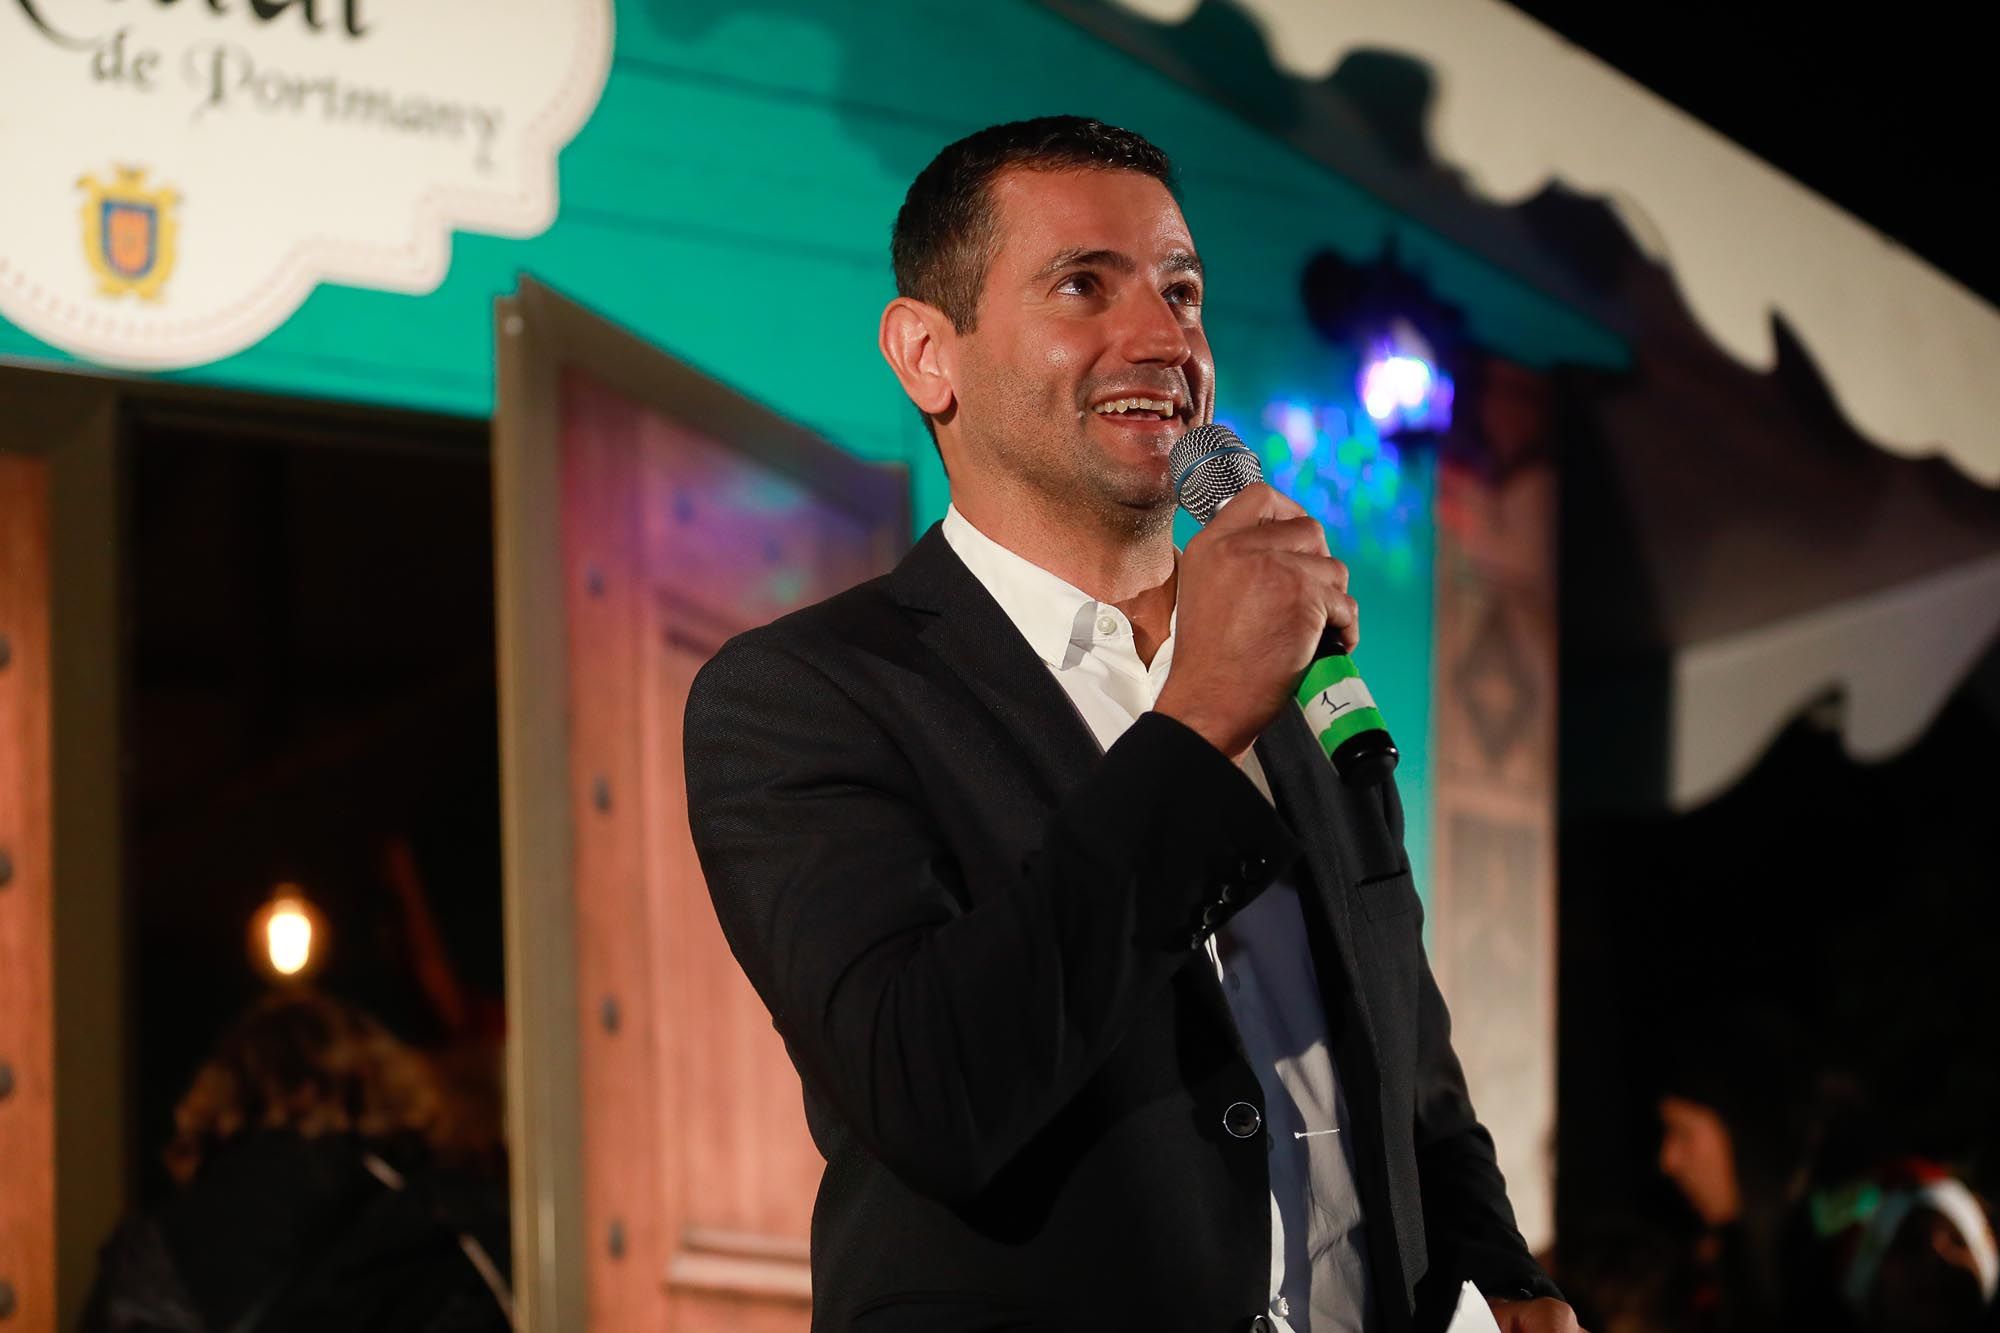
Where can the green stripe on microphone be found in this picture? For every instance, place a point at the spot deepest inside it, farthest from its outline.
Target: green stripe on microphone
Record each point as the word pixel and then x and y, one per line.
pixel 1324 672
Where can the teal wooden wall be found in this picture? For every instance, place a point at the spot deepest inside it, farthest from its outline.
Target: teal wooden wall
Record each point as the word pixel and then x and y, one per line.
pixel 731 200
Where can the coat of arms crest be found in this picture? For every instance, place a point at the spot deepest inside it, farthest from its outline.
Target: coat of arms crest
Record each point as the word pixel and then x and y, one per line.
pixel 128 233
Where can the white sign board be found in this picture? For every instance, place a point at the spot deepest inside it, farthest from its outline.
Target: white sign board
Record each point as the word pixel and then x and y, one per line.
pixel 177 175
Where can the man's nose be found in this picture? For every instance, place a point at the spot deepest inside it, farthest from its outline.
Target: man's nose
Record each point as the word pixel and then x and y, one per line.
pixel 1150 331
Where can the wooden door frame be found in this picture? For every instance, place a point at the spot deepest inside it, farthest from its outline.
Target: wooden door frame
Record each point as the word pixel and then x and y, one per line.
pixel 27 1009
pixel 538 334
pixel 70 422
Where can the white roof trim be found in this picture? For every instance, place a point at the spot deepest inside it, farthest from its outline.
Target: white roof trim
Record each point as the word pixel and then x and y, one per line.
pixel 1893 657
pixel 1909 354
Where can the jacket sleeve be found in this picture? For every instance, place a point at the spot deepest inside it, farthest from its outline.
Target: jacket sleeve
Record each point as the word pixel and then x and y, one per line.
pixel 1469 1227
pixel 947 1034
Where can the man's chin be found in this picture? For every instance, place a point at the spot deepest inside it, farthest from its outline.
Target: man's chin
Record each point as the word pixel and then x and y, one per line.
pixel 1140 498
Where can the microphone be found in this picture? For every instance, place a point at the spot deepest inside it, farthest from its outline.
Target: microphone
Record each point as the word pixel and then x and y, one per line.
pixel 1210 467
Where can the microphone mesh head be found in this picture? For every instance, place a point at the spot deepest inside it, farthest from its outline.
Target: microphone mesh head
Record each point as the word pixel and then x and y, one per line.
pixel 1210 465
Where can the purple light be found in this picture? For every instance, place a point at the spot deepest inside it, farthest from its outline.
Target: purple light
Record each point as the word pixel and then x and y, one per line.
pixel 1397 383
pixel 1400 386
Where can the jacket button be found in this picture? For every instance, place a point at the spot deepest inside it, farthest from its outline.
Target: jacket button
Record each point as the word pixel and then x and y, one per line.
pixel 1261 1324
pixel 1242 1120
pixel 1252 867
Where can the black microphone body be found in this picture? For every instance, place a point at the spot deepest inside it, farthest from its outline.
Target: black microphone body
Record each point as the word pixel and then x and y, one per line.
pixel 1210 468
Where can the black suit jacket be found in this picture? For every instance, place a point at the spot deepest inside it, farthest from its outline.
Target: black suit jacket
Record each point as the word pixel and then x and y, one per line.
pixel 979 936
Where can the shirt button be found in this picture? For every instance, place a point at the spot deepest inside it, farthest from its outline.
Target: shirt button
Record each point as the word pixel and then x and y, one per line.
pixel 1107 623
pixel 1242 1120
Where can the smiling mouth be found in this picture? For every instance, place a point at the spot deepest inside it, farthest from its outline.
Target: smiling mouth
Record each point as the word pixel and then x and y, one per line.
pixel 1138 408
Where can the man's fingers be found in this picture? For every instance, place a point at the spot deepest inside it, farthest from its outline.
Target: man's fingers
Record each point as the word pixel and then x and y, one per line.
pixel 1327 580
pixel 1301 535
pixel 1318 566
pixel 1350 633
pixel 1347 621
pixel 1254 504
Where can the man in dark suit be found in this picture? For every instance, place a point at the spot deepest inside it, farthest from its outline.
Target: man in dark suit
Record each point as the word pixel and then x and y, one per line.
pixel 1109 1000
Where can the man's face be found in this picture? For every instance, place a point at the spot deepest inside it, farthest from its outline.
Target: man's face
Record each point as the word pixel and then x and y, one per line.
pixel 1093 298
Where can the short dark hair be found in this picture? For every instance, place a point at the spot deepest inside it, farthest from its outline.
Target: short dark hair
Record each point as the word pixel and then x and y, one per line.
pixel 945 233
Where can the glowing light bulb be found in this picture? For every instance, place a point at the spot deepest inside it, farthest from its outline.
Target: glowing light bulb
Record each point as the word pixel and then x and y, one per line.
pixel 288 936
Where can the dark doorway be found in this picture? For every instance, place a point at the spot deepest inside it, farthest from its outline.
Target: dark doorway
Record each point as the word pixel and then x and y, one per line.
pixel 310 700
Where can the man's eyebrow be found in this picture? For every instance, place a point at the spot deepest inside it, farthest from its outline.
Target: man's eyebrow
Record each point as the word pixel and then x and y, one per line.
pixel 1180 261
pixel 1078 256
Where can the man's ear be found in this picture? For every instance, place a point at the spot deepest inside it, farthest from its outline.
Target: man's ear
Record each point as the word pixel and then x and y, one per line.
pixel 920 345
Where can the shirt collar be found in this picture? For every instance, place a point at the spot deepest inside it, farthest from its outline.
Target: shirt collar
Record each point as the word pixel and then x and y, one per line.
pixel 1052 615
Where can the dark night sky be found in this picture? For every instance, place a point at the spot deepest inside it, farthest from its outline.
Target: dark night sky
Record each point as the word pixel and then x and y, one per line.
pixel 1885 111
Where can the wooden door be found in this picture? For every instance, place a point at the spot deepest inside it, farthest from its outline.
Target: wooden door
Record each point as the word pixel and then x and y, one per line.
pixel 664 1177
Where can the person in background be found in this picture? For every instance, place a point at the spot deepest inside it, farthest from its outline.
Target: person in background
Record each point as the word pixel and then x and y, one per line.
pixel 1888 1240
pixel 1697 1152
pixel 316 1192
pixel 1734 1141
pixel 1911 1249
pixel 1814 1215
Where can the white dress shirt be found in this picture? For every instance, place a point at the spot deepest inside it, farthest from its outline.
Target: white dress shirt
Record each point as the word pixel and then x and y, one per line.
pixel 1319 1266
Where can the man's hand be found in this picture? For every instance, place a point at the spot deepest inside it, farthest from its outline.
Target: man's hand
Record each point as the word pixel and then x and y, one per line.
pixel 1540 1316
pixel 1256 590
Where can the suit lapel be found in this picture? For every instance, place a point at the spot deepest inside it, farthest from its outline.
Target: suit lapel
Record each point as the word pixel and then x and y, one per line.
pixel 958 620
pixel 1321 812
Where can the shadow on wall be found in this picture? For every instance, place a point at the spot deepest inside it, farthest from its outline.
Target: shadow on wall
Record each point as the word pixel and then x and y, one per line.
pixel 1372 112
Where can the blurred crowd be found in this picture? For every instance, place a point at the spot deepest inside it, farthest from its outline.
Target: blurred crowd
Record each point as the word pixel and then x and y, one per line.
pixel 1805 1208
pixel 329 1175
pixel 330 1178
